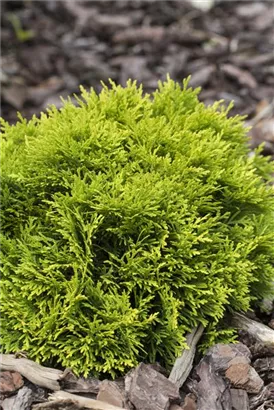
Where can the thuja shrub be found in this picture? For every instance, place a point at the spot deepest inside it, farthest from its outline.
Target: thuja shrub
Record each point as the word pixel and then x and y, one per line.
pixel 126 221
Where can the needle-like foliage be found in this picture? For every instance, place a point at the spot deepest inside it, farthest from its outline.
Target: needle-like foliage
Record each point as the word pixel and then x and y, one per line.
pixel 127 220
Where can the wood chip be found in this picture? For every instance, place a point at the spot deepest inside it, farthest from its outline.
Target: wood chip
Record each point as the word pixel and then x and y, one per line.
pixel 257 331
pixel 183 364
pixel 34 372
pixel 81 401
pixel 148 389
pixel 243 77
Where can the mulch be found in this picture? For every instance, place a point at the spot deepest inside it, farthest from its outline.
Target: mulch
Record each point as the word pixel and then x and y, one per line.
pixel 228 377
pixel 50 47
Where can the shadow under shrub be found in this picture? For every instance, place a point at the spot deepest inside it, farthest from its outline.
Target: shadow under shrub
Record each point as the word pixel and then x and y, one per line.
pixel 126 221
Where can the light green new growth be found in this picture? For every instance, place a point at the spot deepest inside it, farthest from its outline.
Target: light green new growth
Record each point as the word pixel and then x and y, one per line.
pixel 126 221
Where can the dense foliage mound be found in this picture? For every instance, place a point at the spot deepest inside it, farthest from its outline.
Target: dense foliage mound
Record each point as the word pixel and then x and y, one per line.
pixel 127 220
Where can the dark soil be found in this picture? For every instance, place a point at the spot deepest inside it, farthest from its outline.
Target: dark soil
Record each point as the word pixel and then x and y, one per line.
pixel 51 47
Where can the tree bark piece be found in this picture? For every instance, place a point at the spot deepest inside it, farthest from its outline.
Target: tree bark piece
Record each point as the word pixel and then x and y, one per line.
pixel 34 372
pixel 80 401
pixel 21 401
pixel 259 350
pixel 257 331
pixel 207 381
pixel 24 399
pixel 243 376
pixel 111 393
pixel 183 364
pixel 148 389
pixel 10 382
pixel 239 399
pixel 211 390
pixel 139 34
pixel 8 403
pixel 70 383
pixel 59 405
pixel 190 402
pixel 222 356
pixel 267 394
pixel 268 405
pixel 265 368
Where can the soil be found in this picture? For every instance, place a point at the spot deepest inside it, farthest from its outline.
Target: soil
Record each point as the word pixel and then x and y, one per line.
pixel 51 47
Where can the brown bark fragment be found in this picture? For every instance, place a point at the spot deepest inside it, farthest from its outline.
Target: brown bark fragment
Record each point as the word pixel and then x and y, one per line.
pixel 73 384
pixel 265 368
pixel 189 403
pixel 147 389
pixel 10 382
pixel 224 355
pixel 110 392
pixel 211 390
pixel 260 350
pixel 239 399
pixel 243 376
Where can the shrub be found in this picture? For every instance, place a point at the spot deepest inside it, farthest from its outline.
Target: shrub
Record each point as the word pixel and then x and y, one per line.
pixel 126 221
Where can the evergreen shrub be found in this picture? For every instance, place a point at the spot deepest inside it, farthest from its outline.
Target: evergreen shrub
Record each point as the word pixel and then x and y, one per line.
pixel 127 219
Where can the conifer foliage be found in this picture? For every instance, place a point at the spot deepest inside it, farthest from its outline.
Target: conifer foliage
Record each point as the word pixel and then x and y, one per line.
pixel 127 219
